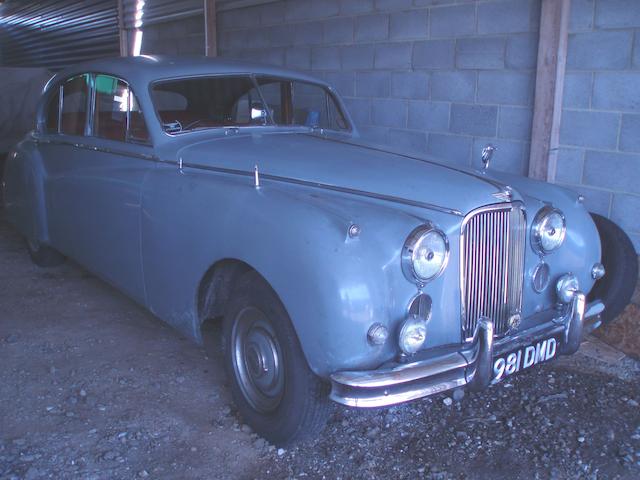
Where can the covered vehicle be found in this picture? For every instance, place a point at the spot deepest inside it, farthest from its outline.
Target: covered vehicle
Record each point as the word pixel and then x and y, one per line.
pixel 210 189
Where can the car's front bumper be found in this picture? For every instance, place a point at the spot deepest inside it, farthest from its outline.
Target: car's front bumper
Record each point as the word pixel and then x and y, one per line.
pixel 470 366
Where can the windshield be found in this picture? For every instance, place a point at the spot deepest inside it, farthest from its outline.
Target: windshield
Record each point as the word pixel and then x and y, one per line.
pixel 238 101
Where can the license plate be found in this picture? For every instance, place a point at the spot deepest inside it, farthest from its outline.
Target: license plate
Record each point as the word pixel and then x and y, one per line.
pixel 523 358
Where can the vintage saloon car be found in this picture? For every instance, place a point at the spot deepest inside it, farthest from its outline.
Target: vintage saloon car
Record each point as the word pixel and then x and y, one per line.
pixel 210 189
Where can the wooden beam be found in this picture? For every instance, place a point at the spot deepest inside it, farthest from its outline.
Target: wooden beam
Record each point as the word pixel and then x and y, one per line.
pixel 547 111
pixel 210 30
pixel 122 32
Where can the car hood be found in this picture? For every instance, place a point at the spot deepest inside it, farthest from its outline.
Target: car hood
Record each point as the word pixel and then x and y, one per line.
pixel 344 165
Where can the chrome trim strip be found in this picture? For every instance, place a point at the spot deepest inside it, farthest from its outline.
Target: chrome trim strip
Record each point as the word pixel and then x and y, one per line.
pixel 325 186
pixel 115 151
pixel 499 185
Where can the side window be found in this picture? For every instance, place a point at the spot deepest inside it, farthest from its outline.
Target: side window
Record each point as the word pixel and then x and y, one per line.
pixel 117 115
pixel 52 113
pixel 74 105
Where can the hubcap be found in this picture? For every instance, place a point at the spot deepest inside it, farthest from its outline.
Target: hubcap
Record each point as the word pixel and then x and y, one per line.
pixel 257 360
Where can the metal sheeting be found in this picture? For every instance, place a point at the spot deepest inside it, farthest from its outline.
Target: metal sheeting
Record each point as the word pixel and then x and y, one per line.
pixel 53 34
pixel 138 13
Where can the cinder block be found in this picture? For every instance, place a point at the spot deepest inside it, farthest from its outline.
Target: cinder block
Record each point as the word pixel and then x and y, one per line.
pixel 344 82
pixel 614 171
pixel 231 39
pixel 309 33
pixel 507 88
pixel 522 51
pixel 360 110
pixel 406 25
pixel 389 112
pixel 434 54
pixel 515 123
pixel 374 134
pixel 453 86
pixel 454 149
pixel 570 165
pixel 257 39
pixel 271 13
pixel 636 52
pixel 630 134
pixel 508 16
pixel 279 35
pixel 325 58
pixel 454 21
pixel 239 18
pixel 481 53
pixel 599 50
pixel 509 156
pixel 409 84
pixel 589 129
pixel 298 57
pixel 595 200
pixel 393 55
pixel 477 120
pixel 392 4
pixel 406 140
pixel 372 27
pixel 373 84
pixel 357 56
pixel 311 9
pixel 424 3
pixel 351 7
pixel 581 16
pixel 617 91
pixel 577 89
pixel 429 116
pixel 625 211
pixel 338 30
pixel 617 14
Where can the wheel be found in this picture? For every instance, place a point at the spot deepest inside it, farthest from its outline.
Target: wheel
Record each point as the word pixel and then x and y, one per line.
pixel 275 391
pixel 42 255
pixel 620 262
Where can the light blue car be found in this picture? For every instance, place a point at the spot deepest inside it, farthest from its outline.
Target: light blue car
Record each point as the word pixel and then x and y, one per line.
pixel 210 189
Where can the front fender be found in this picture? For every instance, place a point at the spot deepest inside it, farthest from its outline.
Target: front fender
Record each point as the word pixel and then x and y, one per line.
pixel 333 286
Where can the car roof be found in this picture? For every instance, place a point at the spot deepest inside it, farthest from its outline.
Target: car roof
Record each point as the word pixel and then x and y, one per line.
pixel 145 69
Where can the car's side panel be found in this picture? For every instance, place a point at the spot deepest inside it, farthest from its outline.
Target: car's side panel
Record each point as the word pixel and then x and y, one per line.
pixel 334 287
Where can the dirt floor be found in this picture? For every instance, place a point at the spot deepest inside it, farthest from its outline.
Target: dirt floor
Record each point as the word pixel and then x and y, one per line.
pixel 94 387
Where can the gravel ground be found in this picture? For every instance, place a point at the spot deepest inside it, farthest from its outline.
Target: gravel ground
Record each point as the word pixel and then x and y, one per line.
pixel 94 387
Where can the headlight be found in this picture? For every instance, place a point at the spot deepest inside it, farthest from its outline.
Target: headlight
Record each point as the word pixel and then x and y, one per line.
pixel 548 231
pixel 412 335
pixel 425 254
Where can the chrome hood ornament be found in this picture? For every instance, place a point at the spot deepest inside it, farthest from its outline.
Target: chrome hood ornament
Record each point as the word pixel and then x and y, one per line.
pixel 487 154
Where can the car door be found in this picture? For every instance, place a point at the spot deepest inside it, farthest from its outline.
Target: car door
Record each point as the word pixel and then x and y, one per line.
pixel 96 177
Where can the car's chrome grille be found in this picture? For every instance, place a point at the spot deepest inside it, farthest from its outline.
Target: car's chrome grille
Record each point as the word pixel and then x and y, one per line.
pixel 492 245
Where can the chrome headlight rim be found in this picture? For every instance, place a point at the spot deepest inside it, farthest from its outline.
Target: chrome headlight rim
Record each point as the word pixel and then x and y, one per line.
pixel 409 247
pixel 536 234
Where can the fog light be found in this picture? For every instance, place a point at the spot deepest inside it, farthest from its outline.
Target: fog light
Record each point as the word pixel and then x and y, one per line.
pixel 597 271
pixel 412 335
pixel 566 287
pixel 377 334
pixel 540 277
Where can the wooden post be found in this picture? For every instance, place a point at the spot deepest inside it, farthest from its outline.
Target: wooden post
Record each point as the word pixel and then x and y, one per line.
pixel 210 30
pixel 122 31
pixel 547 110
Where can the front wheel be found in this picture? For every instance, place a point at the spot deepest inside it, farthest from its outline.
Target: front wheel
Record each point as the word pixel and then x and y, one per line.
pixel 620 262
pixel 276 393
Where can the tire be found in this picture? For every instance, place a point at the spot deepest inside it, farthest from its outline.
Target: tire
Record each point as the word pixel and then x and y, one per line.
pixel 282 400
pixel 620 262
pixel 44 256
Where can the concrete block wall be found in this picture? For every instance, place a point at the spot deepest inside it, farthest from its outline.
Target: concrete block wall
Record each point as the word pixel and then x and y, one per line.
pixel 178 37
pixel 439 76
pixel 600 131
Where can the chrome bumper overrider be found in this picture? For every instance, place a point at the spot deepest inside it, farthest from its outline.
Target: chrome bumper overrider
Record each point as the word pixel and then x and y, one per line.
pixel 470 367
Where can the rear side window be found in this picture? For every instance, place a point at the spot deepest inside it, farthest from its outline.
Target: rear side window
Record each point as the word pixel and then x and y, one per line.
pixel 52 113
pixel 74 105
pixel 117 115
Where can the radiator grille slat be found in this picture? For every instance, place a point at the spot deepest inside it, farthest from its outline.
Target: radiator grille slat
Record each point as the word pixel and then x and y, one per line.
pixel 492 266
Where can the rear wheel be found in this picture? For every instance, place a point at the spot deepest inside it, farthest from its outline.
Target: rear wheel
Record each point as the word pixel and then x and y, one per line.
pixel 42 255
pixel 620 261
pixel 276 393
